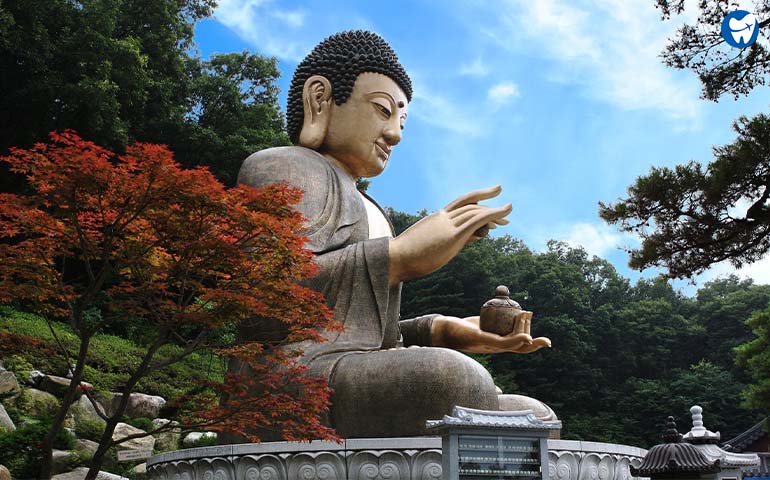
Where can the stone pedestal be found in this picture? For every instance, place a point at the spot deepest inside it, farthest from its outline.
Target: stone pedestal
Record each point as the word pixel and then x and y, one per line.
pixel 413 458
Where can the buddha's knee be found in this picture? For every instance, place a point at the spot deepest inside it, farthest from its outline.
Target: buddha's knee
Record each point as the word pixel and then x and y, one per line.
pixel 450 378
pixel 394 392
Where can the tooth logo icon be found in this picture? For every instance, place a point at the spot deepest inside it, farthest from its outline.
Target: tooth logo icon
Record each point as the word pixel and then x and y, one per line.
pixel 740 28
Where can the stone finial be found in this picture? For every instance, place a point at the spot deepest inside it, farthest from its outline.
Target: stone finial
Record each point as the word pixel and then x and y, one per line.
pixel 670 434
pixel 699 433
pixel 697 418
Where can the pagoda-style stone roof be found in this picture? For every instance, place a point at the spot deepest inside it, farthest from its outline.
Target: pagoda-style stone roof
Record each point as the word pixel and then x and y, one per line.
pixel 674 457
pixel 729 459
pixel 471 417
pixel 746 439
pixel 706 442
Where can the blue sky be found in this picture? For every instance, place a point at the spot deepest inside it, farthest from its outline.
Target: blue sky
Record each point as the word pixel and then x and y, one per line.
pixel 564 103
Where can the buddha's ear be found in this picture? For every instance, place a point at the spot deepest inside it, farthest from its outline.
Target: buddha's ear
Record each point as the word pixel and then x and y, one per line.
pixel 316 99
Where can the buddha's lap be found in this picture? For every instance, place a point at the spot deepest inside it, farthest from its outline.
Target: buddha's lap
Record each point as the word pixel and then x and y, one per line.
pixel 393 392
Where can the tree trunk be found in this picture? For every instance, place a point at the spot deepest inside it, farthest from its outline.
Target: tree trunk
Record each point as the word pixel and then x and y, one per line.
pixel 46 447
pixel 104 445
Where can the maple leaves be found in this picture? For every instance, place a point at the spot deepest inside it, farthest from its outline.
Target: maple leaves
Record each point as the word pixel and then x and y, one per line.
pixel 136 237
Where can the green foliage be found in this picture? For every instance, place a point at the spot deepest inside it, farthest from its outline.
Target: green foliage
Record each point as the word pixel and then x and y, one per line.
pixel 754 356
pixel 111 358
pixel 686 216
pixel 202 442
pixel 119 72
pixel 624 357
pixel 142 423
pixel 20 451
pixel 37 404
pixel 89 429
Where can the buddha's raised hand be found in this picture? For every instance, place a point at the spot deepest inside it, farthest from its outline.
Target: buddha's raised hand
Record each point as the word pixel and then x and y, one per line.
pixel 436 239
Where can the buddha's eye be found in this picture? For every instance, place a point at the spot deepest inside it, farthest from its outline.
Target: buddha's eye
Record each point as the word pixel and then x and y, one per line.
pixel 385 111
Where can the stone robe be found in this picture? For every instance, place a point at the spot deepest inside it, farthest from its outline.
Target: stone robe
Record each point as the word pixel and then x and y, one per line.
pixel 380 389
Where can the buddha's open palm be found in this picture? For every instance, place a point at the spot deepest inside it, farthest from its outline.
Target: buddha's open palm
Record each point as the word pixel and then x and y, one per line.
pixel 466 335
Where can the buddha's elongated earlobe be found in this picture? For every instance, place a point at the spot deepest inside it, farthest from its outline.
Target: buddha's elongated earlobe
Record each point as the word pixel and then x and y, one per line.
pixel 316 99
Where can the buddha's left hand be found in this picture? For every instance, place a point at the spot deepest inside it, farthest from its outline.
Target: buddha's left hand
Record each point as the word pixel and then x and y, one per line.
pixel 464 334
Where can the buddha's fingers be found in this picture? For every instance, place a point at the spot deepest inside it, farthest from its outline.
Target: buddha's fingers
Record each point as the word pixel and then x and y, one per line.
pixel 461 210
pixel 474 197
pixel 471 221
pixel 537 344
pixel 516 341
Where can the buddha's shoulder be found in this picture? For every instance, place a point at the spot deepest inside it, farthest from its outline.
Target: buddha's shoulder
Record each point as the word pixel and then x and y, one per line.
pixel 295 165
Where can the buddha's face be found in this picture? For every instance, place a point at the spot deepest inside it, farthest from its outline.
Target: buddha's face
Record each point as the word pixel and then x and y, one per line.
pixel 363 131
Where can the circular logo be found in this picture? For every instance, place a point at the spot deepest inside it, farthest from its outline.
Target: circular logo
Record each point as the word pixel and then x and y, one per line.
pixel 740 28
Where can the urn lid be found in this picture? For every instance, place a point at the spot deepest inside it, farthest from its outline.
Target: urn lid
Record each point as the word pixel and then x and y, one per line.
pixel 501 299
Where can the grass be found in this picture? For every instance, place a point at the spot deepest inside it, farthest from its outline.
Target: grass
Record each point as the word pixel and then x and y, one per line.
pixel 26 339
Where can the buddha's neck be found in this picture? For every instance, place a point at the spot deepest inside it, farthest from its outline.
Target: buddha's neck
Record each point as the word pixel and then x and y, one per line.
pixel 341 167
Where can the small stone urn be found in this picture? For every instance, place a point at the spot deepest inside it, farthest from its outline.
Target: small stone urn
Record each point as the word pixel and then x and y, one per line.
pixel 498 315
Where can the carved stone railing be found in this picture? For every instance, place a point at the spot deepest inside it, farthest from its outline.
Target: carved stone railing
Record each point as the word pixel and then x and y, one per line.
pixel 576 460
pixel 416 458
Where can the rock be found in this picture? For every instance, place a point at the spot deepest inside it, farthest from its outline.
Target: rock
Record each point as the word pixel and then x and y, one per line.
pixel 58 385
pixel 141 405
pixel 62 461
pixel 80 474
pixel 83 409
pixel 38 403
pixel 123 430
pixel 140 469
pixel 168 440
pixel 6 424
pixel 193 437
pixel 34 377
pixel 4 473
pixel 9 386
pixel 86 448
pixel 107 399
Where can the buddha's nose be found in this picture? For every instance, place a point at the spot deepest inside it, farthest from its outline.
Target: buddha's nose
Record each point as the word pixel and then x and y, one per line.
pixel 392 134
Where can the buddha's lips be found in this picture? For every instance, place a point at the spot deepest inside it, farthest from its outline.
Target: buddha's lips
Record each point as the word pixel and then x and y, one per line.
pixel 385 150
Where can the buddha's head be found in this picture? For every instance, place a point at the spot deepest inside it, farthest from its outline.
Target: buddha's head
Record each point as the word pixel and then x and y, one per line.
pixel 348 100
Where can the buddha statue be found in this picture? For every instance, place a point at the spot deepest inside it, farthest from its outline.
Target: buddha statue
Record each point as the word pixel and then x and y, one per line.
pixel 347 110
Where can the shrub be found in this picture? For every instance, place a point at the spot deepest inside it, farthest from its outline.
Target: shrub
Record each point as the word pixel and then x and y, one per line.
pixel 20 450
pixel 205 441
pixel 142 423
pixel 89 429
pixel 110 358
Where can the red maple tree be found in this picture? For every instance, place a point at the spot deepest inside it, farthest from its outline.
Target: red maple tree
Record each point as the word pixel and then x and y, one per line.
pixel 107 238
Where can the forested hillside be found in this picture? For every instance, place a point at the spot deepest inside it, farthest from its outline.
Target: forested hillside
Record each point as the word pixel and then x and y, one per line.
pixel 624 356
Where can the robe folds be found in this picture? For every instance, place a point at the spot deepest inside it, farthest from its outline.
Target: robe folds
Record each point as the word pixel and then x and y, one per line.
pixel 353 269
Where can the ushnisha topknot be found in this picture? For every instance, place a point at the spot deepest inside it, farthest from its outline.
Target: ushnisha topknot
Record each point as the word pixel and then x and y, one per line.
pixel 341 58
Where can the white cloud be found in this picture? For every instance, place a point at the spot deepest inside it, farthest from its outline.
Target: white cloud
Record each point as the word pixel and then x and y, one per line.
pixel 435 109
pixel 596 239
pixel 757 271
pixel 274 31
pixel 503 92
pixel 477 68
pixel 609 47
pixel 294 19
